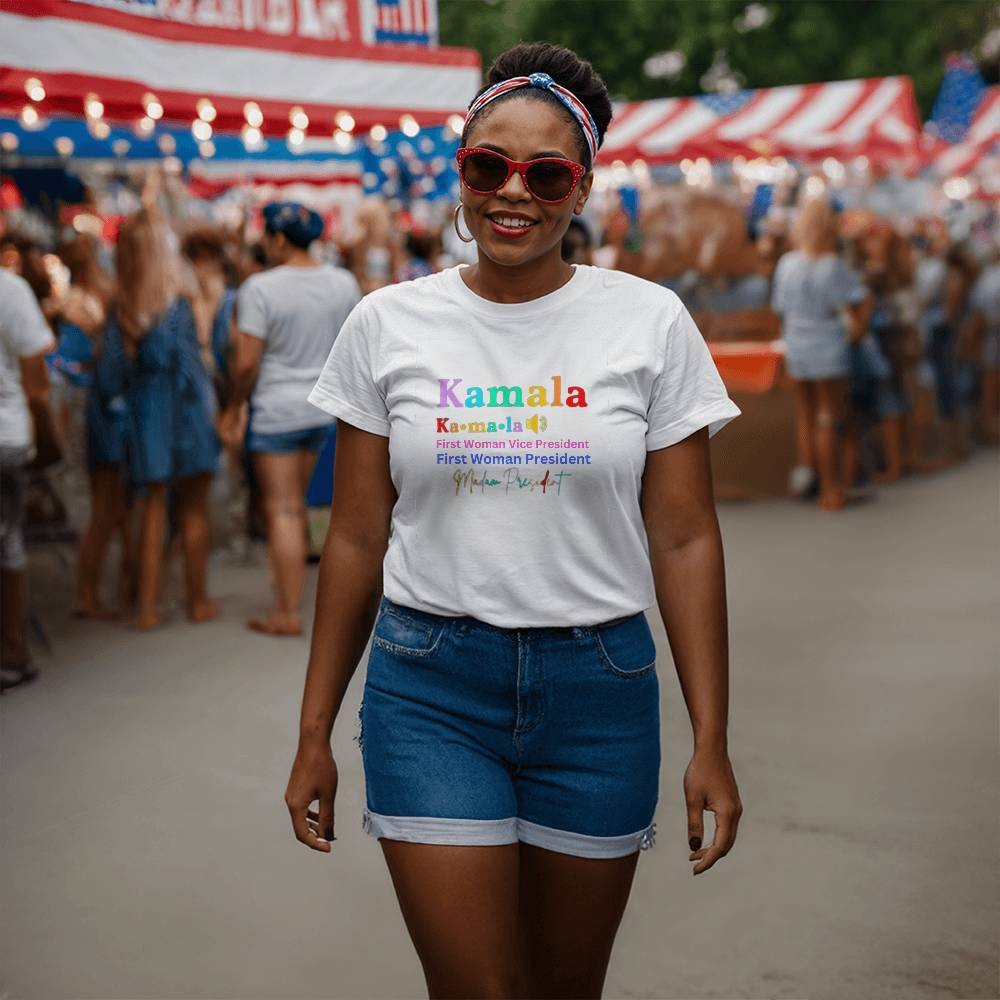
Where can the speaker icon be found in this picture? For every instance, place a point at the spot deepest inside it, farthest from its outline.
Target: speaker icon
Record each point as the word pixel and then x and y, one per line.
pixel 536 423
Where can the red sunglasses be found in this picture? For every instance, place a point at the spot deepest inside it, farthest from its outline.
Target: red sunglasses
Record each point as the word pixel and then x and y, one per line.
pixel 550 179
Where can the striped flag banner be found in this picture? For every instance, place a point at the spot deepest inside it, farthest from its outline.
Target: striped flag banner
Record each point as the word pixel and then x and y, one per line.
pixel 872 117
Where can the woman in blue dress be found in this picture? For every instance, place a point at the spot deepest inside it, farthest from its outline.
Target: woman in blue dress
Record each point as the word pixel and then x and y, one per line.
pixel 153 356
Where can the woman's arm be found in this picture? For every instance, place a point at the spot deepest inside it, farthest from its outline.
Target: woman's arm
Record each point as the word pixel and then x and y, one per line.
pixel 685 548
pixel 347 600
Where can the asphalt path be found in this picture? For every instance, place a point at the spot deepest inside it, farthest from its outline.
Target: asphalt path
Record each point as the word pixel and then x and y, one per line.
pixel 147 852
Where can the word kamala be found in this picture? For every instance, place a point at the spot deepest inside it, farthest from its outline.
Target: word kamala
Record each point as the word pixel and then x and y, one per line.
pixel 510 395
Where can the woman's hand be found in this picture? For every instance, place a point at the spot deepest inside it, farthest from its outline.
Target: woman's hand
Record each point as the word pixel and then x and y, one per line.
pixel 232 426
pixel 314 777
pixel 709 784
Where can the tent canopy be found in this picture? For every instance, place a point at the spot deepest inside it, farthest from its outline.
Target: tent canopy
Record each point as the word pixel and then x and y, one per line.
pixel 874 117
pixel 126 51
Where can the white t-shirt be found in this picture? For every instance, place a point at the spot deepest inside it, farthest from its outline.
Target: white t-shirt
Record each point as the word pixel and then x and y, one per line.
pixel 23 333
pixel 297 312
pixel 518 435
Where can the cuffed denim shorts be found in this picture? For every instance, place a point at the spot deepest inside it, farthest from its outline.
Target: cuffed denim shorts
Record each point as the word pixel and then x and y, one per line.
pixel 479 735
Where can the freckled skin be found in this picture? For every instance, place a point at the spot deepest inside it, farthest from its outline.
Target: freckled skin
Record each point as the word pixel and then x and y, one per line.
pixel 516 270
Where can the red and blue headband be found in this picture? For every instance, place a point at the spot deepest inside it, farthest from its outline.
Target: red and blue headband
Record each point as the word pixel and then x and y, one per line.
pixel 544 82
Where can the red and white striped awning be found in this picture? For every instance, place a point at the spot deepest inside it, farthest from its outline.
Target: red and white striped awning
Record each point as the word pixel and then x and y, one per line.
pixel 960 158
pixel 122 51
pixel 875 118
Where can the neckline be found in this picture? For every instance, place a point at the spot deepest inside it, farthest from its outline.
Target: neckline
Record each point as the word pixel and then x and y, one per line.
pixel 519 310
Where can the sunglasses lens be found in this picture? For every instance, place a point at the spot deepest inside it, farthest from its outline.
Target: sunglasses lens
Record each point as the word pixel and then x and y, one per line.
pixel 483 171
pixel 550 181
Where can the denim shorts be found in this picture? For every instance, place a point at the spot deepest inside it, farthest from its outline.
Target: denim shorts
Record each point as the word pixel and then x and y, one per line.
pixel 285 442
pixel 480 735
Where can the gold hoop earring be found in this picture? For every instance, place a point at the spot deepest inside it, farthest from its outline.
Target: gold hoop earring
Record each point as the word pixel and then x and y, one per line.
pixel 458 208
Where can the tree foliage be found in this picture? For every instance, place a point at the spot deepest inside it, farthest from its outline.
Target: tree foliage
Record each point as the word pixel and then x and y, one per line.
pixel 805 41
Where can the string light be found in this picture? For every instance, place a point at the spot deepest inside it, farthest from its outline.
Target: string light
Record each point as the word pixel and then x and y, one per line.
pixel 8 142
pixel 296 137
pixel 253 114
pixel 345 121
pixel 145 126
pixel 378 133
pixel 120 147
pixel 34 89
pixel 99 129
pixel 64 145
pixel 154 109
pixel 206 149
pixel 409 125
pixel 92 106
pixel 252 137
pixel 206 110
pixel 29 116
pixel 298 118
pixel 456 123
pixel 201 130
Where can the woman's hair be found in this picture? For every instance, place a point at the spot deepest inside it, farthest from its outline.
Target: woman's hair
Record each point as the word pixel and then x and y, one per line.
pixel 815 230
pixel 81 257
pixel 145 273
pixel 567 69
pixel 203 241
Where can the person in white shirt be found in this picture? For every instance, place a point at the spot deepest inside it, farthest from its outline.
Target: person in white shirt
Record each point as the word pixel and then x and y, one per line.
pixel 522 469
pixel 287 319
pixel 25 339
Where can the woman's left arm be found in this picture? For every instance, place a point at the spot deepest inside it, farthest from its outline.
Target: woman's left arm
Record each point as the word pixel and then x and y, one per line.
pixel 685 548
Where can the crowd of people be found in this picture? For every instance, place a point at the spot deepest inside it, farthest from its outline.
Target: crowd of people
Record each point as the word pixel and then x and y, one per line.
pixel 191 357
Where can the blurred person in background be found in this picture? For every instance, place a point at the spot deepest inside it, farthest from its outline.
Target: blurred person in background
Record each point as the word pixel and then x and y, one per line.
pixel 421 247
pixel 941 286
pixel 25 339
pixel 213 298
pixel 981 339
pixel 287 318
pixel 153 357
pixel 822 305
pixel 577 245
pixel 81 314
pixel 374 254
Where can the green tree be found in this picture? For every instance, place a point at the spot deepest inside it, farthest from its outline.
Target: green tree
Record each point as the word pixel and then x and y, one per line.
pixel 804 41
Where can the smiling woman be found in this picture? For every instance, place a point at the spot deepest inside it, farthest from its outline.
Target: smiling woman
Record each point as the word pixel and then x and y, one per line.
pixel 511 769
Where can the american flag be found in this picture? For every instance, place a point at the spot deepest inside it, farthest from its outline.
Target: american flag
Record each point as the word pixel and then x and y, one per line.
pixel 404 21
pixel 965 122
pixel 873 117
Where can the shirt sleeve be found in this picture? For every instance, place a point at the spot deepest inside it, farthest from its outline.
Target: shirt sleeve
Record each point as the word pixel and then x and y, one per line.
pixel 24 326
pixel 346 387
pixel 251 314
pixel 689 393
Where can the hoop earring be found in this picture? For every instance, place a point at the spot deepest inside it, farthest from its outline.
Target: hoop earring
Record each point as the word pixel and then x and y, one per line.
pixel 458 208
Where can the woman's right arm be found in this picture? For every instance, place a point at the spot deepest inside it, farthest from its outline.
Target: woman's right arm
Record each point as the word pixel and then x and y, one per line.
pixel 347 600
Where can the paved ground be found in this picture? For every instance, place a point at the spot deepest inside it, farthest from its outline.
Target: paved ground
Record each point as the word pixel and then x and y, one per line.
pixel 147 851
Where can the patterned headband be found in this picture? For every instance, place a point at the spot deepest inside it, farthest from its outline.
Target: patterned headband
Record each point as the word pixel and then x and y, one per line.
pixel 544 82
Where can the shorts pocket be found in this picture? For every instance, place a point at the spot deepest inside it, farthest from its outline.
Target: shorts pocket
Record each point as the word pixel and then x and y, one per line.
pixel 627 649
pixel 397 632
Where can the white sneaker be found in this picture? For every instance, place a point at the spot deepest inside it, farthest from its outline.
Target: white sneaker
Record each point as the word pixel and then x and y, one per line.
pixel 801 480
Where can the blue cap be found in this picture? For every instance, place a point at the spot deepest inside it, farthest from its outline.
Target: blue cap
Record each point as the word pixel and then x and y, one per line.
pixel 299 225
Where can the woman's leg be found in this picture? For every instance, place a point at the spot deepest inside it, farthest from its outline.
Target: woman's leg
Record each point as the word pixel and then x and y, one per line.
pixel 192 498
pixel 280 478
pixel 107 509
pixel 152 531
pixel 570 911
pixel 460 907
pixel 805 409
pixel 831 397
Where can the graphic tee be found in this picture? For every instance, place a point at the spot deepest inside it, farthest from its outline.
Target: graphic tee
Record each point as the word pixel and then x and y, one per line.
pixel 518 435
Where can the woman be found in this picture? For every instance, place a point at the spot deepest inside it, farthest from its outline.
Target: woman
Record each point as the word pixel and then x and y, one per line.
pixel 820 302
pixel 535 435
pixel 287 319
pixel 152 357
